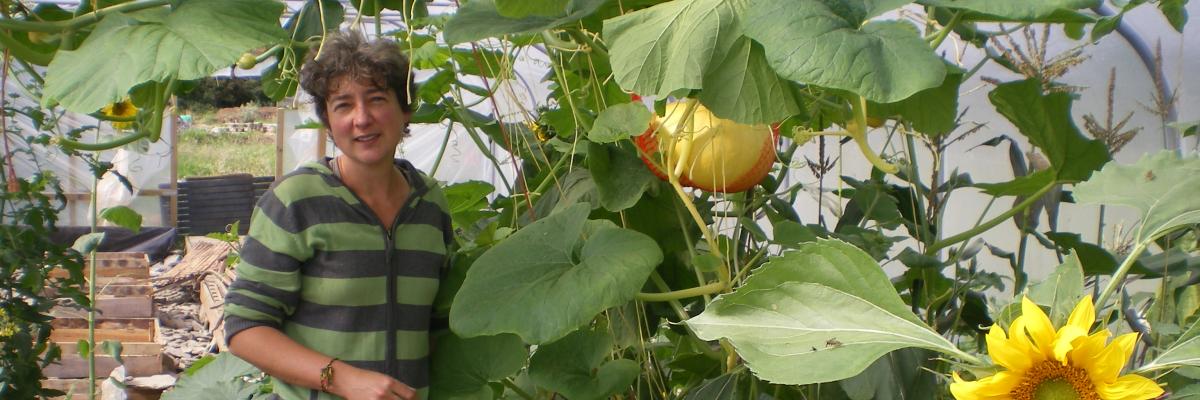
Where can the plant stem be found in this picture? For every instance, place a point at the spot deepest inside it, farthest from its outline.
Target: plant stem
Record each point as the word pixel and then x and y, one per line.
pixel 595 48
pixel 945 31
pixel 687 238
pixel 508 383
pixel 91 319
pixel 712 288
pixel 859 134
pixel 473 132
pixel 1019 276
pixel 913 172
pixel 437 162
pixel 723 271
pixel 98 146
pixel 662 285
pixel 941 244
pixel 80 21
pixel 1119 276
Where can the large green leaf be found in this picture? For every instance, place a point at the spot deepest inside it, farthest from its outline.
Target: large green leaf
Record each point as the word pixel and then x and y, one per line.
pixel 668 47
pixel 1061 290
pixel 1096 260
pixel 742 87
pixel 620 122
pixel 827 304
pixel 552 277
pixel 1019 10
pixel 827 44
pixel 88 242
pixel 1163 187
pixel 525 8
pixel 620 175
pixel 409 8
pixel 1185 351
pixel 124 217
pixel 1045 119
pixel 575 366
pixel 1020 186
pixel 310 21
pixel 931 111
pixel 468 202
pixel 1176 13
pixel 465 366
pixel 196 38
pixel 222 378
pixel 480 19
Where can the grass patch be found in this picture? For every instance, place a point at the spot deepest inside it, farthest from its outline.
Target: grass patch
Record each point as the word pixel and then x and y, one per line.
pixel 205 154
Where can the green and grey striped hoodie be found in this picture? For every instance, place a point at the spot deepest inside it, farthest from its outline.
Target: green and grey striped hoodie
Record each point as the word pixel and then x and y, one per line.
pixel 319 266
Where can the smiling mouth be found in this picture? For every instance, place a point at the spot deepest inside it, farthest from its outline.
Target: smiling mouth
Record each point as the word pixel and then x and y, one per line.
pixel 366 138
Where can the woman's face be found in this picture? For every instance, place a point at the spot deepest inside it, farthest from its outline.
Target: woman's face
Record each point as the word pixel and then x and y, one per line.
pixel 365 121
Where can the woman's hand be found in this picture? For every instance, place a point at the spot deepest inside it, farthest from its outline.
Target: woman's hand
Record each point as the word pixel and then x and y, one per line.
pixel 356 383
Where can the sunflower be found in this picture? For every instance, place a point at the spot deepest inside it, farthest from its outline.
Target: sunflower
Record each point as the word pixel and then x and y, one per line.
pixel 123 109
pixel 1069 364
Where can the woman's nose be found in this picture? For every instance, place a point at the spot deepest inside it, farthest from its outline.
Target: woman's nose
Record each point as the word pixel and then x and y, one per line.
pixel 362 116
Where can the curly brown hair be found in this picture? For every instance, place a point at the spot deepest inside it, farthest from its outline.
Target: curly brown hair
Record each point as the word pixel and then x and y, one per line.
pixel 349 54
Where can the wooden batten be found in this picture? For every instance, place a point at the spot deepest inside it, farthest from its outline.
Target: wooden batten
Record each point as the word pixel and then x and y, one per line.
pixel 119 329
pixel 111 307
pixel 130 265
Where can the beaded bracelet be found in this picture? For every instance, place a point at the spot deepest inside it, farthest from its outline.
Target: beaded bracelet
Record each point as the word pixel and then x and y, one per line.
pixel 327 375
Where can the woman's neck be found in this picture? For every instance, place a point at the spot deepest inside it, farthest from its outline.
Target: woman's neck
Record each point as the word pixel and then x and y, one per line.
pixel 371 181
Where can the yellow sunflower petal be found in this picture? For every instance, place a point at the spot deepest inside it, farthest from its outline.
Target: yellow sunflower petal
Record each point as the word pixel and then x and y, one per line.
pixel 1084 314
pixel 996 387
pixel 1064 341
pixel 1108 362
pixel 1004 353
pixel 1038 325
pixel 1019 339
pixel 1087 350
pixel 1129 387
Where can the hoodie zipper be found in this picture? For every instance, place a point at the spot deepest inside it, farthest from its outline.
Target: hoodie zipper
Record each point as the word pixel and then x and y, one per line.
pixel 390 246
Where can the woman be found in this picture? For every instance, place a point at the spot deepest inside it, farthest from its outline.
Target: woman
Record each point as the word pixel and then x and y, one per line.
pixel 344 256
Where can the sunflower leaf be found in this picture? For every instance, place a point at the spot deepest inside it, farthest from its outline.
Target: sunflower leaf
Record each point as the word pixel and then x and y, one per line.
pixel 1185 351
pixel 1163 187
pixel 1061 290
pixel 828 304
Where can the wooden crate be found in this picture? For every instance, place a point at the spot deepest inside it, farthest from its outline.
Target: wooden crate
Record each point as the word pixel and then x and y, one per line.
pixel 125 306
pixel 114 268
pixel 140 359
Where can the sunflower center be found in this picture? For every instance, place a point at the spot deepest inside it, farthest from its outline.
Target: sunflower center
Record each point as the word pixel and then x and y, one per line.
pixel 1050 380
pixel 121 109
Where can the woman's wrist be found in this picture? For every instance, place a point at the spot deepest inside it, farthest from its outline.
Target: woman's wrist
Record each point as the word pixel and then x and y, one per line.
pixel 327 376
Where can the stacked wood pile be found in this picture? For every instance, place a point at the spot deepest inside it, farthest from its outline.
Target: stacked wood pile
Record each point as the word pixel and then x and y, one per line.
pixel 164 322
pixel 125 313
